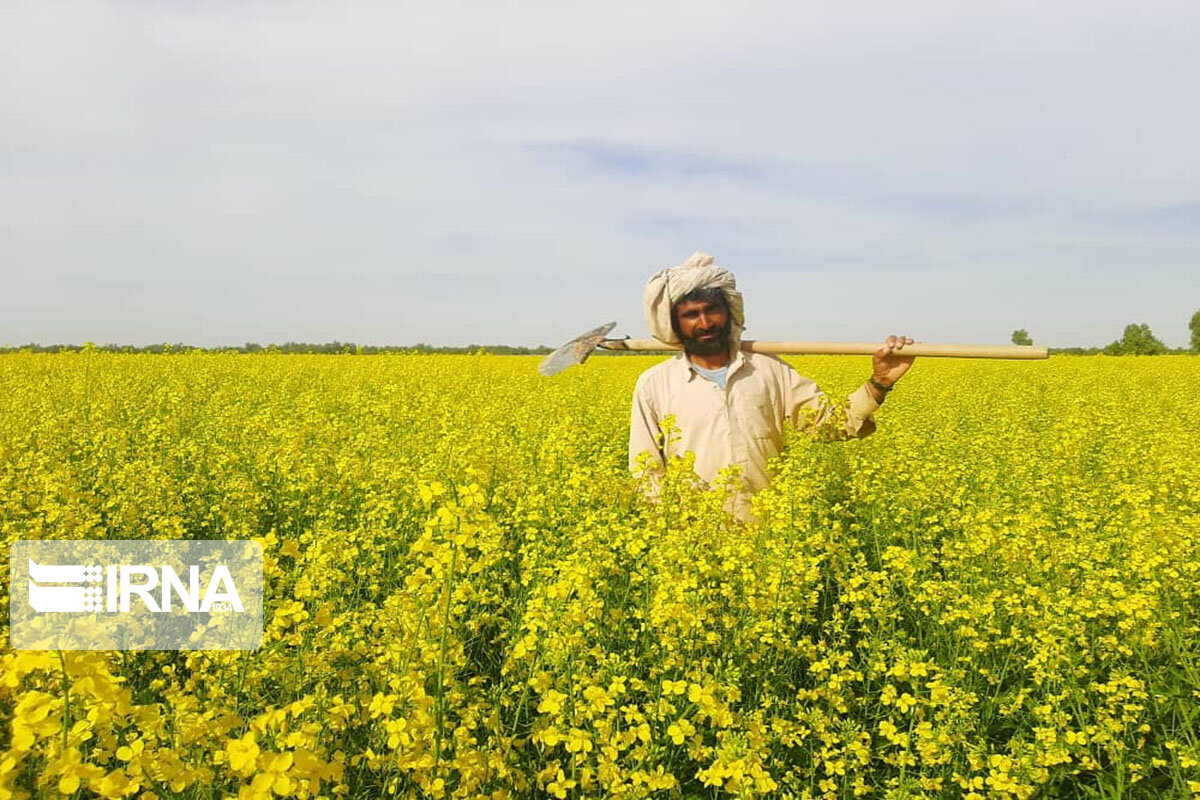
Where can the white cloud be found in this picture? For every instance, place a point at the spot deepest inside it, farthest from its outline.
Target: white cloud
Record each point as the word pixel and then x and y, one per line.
pixel 400 172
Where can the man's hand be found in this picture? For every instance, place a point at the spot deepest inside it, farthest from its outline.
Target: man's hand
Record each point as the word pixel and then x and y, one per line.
pixel 888 365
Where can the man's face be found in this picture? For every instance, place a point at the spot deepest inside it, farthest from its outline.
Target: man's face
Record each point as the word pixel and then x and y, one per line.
pixel 704 327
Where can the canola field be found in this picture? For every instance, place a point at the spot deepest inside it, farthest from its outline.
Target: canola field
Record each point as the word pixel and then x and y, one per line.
pixel 996 595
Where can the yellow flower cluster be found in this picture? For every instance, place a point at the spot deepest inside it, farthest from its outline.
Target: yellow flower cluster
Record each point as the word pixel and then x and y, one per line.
pixel 997 595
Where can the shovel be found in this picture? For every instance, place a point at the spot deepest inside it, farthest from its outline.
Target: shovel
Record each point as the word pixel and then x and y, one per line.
pixel 578 349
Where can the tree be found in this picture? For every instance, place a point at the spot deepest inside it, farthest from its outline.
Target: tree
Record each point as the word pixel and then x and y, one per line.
pixel 1194 325
pixel 1021 336
pixel 1137 341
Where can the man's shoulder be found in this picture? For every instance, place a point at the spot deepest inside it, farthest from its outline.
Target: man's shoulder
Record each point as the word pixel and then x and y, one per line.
pixel 660 372
pixel 774 369
pixel 768 362
pixel 765 359
pixel 668 370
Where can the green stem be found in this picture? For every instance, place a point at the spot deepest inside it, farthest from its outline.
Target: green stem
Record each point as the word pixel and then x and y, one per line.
pixel 66 682
pixel 441 705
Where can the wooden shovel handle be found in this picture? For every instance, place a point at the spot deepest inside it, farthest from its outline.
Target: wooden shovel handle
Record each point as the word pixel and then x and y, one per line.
pixel 923 349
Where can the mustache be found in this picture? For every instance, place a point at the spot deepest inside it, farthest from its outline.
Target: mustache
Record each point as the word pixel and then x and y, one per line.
pixel 723 329
pixel 696 344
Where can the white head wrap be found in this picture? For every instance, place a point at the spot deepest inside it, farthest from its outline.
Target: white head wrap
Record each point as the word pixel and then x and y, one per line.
pixel 666 286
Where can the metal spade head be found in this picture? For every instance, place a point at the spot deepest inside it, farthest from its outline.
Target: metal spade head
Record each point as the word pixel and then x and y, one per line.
pixel 575 351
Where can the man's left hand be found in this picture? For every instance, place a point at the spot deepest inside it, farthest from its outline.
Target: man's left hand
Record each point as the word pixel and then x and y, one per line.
pixel 888 364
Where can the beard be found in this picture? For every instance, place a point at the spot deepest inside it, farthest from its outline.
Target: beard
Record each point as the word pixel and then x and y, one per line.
pixel 694 346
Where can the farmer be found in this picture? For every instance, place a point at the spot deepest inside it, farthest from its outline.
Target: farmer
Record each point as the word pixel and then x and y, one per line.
pixel 730 405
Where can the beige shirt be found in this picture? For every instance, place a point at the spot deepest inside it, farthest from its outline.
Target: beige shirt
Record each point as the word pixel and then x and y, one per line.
pixel 740 424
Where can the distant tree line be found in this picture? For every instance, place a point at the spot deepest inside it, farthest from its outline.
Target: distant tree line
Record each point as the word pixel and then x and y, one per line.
pixel 1138 340
pixel 328 348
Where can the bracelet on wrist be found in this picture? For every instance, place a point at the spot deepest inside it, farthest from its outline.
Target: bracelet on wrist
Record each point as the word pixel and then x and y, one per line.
pixel 885 389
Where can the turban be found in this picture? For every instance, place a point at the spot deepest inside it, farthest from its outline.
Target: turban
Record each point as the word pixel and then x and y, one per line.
pixel 667 286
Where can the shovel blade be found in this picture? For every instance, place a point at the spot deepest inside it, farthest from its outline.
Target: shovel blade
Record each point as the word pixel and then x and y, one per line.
pixel 575 351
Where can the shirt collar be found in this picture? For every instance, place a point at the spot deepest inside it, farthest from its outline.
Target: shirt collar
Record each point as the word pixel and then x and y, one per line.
pixel 685 365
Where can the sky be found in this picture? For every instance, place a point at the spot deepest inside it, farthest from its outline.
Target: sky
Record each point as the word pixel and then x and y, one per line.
pixel 512 173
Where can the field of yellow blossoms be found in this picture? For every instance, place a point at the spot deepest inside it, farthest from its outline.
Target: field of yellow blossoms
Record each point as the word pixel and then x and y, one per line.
pixel 997 595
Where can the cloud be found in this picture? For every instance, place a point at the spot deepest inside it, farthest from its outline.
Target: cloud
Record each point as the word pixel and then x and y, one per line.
pixel 394 173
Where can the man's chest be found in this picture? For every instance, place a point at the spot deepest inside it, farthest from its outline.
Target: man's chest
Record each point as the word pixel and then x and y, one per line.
pixel 748 405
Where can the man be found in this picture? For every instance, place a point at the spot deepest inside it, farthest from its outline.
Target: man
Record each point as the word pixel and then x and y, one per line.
pixel 730 405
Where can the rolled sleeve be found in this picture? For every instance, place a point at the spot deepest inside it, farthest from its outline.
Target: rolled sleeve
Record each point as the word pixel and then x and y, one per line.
pixel 860 413
pixel 801 394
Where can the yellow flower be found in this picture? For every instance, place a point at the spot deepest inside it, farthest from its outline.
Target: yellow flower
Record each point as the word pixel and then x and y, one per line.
pixel 578 741
pixel 560 785
pixel 679 730
pixel 434 575
pixel 552 702
pixel 242 754
pixel 273 777
pixel 549 736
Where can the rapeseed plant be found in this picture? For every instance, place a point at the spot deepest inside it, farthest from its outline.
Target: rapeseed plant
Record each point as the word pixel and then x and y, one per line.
pixel 994 596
